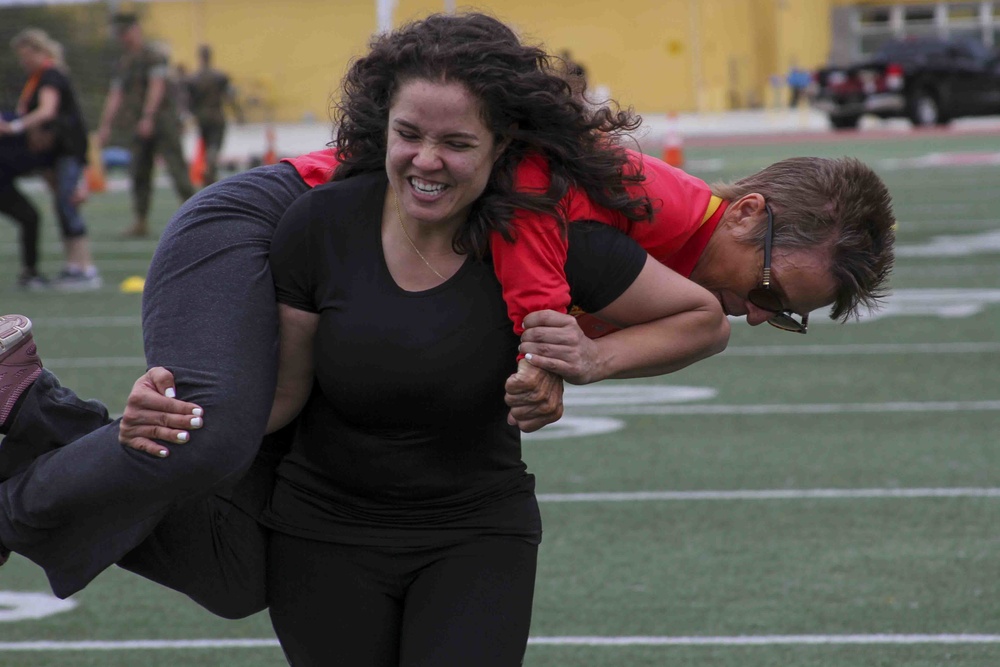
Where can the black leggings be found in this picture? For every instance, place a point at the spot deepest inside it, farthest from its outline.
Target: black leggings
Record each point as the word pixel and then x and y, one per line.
pixel 454 606
pixel 16 206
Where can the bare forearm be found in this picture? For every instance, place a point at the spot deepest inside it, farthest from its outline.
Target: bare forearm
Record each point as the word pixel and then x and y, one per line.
pixel 667 322
pixel 48 107
pixel 660 347
pixel 111 106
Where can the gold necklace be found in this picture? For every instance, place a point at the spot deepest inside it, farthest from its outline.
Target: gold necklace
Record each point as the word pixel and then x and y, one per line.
pixel 395 203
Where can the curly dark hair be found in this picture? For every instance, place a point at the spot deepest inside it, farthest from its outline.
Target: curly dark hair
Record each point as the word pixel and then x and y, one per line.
pixel 838 202
pixel 524 99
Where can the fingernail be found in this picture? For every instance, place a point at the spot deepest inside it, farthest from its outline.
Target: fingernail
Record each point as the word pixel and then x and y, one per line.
pixel 162 453
pixel 183 436
pixel 170 393
pixel 197 412
pixel 196 422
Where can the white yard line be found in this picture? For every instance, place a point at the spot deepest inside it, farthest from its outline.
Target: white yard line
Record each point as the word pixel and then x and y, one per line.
pixel 862 348
pixel 766 640
pixel 735 640
pixel 768 494
pixel 96 362
pixel 736 351
pixel 41 323
pixel 795 409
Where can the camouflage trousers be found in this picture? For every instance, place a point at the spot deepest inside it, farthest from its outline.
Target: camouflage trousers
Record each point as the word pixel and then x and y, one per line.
pixel 165 141
pixel 212 134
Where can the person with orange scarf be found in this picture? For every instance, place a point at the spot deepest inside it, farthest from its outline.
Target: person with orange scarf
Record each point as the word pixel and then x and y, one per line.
pixel 49 133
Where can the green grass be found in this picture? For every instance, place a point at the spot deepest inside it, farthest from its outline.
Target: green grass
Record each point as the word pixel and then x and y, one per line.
pixel 679 568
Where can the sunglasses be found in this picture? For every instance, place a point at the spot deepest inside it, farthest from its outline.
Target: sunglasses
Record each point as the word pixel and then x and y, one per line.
pixel 765 299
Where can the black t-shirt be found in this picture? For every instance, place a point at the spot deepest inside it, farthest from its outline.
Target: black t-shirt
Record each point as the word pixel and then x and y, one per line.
pixel 68 125
pixel 404 440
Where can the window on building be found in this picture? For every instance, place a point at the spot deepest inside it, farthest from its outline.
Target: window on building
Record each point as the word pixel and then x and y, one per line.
pixel 875 27
pixel 969 19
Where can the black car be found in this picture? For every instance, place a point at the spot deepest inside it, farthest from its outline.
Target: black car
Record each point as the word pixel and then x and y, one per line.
pixel 930 81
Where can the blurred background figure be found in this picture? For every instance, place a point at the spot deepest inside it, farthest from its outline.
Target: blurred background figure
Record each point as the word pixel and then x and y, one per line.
pixel 55 141
pixel 15 159
pixel 179 89
pixel 798 81
pixel 208 90
pixel 138 93
pixel 575 74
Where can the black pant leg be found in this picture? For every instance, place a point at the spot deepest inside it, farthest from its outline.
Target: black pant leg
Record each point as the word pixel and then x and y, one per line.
pixel 333 604
pixel 212 549
pixel 450 606
pixel 16 206
pixel 471 606
pixel 48 417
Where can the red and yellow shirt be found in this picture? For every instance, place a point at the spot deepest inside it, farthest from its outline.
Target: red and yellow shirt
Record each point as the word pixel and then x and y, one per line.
pixel 530 270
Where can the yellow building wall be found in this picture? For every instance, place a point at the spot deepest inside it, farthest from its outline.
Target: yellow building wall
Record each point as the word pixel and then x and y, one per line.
pixel 285 58
pixel 658 56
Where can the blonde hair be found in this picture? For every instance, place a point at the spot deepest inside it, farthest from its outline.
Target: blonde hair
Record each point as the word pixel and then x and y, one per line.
pixel 38 39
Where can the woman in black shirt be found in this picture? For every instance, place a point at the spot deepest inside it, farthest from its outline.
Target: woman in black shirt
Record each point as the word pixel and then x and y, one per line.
pixel 404 523
pixel 50 117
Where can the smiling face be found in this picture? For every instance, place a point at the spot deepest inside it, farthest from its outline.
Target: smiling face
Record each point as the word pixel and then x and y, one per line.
pixel 439 152
pixel 730 267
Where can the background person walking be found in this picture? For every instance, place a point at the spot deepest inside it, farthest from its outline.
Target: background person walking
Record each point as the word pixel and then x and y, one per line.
pixel 138 93
pixel 209 90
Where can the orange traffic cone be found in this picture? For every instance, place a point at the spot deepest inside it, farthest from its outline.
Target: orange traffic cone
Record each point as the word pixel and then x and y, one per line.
pixel 271 156
pixel 197 171
pixel 673 145
pixel 94 173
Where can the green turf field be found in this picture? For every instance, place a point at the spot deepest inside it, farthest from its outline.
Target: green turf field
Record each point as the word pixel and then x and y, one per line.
pixel 830 499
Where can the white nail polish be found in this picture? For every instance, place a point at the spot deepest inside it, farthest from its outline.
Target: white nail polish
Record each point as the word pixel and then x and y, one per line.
pixel 183 436
pixel 196 422
pixel 162 453
pixel 197 412
pixel 170 393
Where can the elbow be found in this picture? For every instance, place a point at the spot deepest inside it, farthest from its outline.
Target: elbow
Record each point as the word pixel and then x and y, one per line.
pixel 721 339
pixel 716 329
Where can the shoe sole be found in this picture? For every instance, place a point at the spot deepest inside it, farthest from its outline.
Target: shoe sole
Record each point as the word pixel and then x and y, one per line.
pixel 15 331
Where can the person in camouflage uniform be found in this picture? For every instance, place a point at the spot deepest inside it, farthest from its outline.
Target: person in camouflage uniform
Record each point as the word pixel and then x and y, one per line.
pixel 208 90
pixel 138 95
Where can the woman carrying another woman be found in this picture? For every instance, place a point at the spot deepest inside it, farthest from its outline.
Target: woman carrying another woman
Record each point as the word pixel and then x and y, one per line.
pixel 403 523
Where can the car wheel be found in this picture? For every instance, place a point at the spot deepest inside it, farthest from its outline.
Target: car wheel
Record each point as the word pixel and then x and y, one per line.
pixel 925 111
pixel 844 122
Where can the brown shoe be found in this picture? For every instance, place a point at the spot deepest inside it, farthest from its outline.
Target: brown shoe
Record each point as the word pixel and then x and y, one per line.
pixel 136 231
pixel 19 362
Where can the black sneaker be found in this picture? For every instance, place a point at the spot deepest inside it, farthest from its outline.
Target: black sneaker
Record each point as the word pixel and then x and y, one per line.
pixel 30 281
